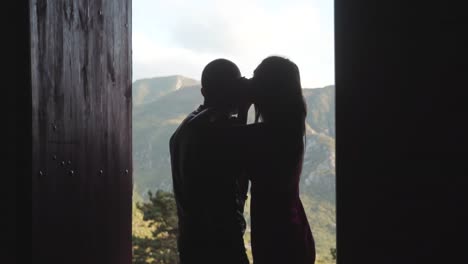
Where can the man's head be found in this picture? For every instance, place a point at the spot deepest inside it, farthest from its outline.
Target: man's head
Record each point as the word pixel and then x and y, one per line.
pixel 218 80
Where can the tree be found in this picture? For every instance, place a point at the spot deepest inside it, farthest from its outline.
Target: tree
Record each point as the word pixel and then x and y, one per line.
pixel 161 248
pixel 333 253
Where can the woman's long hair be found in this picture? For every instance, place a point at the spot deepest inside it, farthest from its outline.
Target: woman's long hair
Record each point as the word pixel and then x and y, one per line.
pixel 278 93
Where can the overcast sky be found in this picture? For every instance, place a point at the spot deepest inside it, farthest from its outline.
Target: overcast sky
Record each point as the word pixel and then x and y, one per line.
pixel 182 36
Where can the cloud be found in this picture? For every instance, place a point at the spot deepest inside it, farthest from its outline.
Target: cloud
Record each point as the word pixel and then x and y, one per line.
pixel 153 59
pixel 180 37
pixel 206 36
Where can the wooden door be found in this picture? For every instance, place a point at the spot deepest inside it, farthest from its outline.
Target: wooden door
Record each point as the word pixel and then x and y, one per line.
pixel 81 131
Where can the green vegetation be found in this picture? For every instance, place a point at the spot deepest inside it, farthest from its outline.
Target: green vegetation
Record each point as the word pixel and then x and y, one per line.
pixel 154 234
pixel 140 227
pixel 161 217
pixel 333 253
pixel 322 221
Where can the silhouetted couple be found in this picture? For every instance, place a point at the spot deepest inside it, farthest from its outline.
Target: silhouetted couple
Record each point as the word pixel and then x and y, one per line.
pixel 215 153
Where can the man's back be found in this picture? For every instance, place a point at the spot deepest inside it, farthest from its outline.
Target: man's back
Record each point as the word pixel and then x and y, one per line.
pixel 204 174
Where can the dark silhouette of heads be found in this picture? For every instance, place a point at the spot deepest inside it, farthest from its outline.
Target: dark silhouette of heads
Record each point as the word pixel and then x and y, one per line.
pixel 218 83
pixel 275 89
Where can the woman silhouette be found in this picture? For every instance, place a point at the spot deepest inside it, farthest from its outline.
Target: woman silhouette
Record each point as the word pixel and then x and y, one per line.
pixel 273 157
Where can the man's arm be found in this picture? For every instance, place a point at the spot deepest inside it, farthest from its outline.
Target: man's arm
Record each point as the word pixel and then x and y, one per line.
pixel 243 113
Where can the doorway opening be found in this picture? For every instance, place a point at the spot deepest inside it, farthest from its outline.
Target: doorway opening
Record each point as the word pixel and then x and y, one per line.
pixel 172 42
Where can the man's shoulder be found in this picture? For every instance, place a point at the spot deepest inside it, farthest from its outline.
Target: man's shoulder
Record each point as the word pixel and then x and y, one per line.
pixel 190 122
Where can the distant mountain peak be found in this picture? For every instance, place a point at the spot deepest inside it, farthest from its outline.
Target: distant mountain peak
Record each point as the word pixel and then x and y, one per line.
pixel 150 89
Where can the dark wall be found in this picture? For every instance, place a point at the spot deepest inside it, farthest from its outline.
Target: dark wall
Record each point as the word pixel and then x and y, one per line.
pixel 400 132
pixel 16 133
pixel 81 131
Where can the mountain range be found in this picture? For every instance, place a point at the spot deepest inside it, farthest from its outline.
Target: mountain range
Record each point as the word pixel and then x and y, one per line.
pixel 161 103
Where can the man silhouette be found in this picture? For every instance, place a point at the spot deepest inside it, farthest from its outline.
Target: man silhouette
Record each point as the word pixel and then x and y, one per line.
pixel 209 192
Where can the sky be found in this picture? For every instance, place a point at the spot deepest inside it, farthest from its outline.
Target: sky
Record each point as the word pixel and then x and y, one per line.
pixel 181 36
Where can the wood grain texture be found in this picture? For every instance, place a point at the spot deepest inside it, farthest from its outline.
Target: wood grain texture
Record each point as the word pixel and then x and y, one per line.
pixel 81 120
